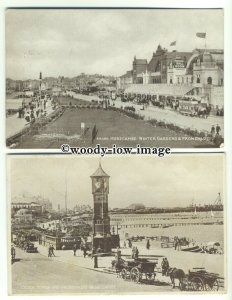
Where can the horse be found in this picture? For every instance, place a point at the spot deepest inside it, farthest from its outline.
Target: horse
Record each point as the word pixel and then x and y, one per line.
pixel 117 265
pixel 175 273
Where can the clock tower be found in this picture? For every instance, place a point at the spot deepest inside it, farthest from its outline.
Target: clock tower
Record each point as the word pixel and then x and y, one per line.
pixel 101 219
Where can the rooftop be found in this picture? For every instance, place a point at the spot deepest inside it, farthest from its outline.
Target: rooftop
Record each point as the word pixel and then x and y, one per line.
pixel 100 172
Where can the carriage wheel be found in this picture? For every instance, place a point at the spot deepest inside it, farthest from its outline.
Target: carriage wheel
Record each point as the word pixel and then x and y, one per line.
pixel 197 284
pixel 213 286
pixel 135 275
pixel 124 273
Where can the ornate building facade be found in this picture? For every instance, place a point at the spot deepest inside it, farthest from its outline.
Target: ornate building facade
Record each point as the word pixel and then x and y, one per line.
pixel 201 70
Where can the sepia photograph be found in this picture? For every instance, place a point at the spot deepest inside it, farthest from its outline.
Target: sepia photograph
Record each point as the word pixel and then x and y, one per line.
pixel 83 77
pixel 116 225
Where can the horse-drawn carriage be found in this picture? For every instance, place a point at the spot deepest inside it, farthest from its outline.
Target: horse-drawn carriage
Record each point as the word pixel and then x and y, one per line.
pixel 136 269
pixel 200 280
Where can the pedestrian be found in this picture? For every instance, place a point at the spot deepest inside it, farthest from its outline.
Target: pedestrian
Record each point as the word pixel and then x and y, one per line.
pixel 213 131
pixel 136 253
pixel 148 244
pixel 176 243
pixel 32 117
pixel 84 251
pixel 27 118
pixel 37 113
pixel 20 113
pixel 133 253
pixel 13 252
pixel 49 251
pixel 23 112
pixel 164 266
pixel 119 253
pixel 74 249
pixel 218 129
pixel 52 250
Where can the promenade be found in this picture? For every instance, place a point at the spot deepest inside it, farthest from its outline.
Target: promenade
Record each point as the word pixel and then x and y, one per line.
pixel 166 115
pixel 179 259
pixel 14 124
pixel 37 274
pixel 170 116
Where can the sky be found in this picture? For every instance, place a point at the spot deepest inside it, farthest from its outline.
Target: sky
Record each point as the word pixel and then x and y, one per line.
pixel 68 42
pixel 155 182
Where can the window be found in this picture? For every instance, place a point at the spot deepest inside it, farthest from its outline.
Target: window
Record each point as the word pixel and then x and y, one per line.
pixel 171 80
pixel 198 79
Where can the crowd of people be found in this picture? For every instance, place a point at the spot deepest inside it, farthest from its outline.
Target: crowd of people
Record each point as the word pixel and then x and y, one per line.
pixel 35 108
pixel 32 109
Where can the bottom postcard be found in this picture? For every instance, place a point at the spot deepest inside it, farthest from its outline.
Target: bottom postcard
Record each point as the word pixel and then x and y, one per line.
pixel 119 225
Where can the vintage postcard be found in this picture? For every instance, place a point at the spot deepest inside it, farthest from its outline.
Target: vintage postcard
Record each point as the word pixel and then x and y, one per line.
pixel 145 224
pixel 114 76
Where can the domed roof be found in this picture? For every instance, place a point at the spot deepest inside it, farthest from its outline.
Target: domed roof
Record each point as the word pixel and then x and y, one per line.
pixel 207 57
pixel 22 211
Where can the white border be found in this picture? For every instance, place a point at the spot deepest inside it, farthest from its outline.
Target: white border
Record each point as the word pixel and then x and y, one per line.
pixel 227 5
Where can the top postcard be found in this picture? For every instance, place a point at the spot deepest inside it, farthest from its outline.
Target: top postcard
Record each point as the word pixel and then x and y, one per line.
pixel 83 77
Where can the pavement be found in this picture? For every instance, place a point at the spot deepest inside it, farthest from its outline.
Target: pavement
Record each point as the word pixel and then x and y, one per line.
pixel 14 124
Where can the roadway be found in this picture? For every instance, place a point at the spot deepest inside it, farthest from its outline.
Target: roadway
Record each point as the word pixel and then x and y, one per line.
pixel 33 273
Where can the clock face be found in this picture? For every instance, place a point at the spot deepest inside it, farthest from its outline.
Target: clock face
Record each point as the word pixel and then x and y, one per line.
pixel 100 185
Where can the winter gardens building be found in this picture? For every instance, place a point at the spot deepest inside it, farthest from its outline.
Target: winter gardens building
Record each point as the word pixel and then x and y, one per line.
pixel 179 74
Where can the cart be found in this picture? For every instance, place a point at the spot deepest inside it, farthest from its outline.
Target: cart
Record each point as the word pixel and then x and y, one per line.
pixel 200 280
pixel 136 270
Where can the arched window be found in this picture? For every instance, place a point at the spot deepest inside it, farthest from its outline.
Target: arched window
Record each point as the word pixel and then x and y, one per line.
pixel 198 79
pixel 209 80
pixel 171 80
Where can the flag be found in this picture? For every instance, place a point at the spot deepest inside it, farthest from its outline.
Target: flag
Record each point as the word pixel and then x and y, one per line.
pixel 173 43
pixel 201 35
